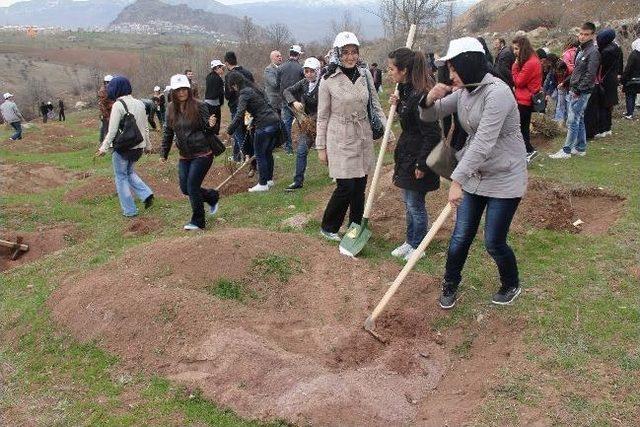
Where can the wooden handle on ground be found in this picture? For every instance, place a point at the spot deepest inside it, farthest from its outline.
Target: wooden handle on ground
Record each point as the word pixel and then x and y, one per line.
pixel 13 245
pixel 222 184
pixel 412 261
pixel 385 139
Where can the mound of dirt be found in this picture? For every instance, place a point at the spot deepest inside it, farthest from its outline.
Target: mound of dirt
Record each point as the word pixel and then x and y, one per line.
pixel 28 178
pixel 141 226
pixel 41 242
pixel 554 207
pixel 53 137
pixel 290 348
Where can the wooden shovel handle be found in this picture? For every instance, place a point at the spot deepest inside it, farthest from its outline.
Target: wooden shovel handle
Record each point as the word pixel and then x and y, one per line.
pixel 385 138
pixel 223 183
pixel 14 245
pixel 412 261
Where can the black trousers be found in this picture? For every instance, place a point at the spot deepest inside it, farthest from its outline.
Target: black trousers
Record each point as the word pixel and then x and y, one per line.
pixel 604 119
pixel 525 125
pixel 61 116
pixel 349 194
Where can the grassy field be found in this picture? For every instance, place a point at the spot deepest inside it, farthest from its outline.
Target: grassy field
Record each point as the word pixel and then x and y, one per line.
pixel 581 351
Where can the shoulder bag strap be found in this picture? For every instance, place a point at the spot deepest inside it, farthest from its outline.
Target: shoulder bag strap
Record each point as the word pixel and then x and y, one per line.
pixel 124 104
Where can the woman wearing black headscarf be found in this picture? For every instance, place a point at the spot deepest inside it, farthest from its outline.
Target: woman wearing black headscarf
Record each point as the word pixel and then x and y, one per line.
pixel 491 174
pixel 611 59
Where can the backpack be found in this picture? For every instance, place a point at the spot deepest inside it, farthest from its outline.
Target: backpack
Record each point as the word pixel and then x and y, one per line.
pixel 129 134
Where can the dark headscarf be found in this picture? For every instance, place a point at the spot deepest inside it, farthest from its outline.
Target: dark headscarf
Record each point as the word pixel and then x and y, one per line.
pixel 487 52
pixel 117 87
pixel 470 66
pixel 605 38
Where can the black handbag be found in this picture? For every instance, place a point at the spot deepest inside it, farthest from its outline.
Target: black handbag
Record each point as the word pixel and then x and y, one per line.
pixel 217 147
pixel 539 102
pixel 128 135
pixel 377 127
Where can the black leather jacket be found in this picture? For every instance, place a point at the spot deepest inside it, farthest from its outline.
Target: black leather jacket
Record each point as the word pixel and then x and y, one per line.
pixel 191 138
pixel 255 103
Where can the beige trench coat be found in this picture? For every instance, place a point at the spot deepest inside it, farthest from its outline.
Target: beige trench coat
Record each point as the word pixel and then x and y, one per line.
pixel 343 127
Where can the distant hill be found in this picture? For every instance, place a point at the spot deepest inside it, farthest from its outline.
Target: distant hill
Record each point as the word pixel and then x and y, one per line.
pixel 511 15
pixel 154 16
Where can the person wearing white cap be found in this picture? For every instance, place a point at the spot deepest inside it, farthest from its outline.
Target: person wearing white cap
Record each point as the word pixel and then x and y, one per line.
pixel 289 73
pixel 159 104
pixel 191 125
pixel 271 88
pixel 214 92
pixel 344 138
pixel 491 174
pixel 12 115
pixel 303 97
pixel 104 105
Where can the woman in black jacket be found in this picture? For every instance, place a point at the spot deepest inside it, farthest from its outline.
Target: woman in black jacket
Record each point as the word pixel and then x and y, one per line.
pixel 418 138
pixel 190 122
pixel 611 59
pixel 266 122
pixel 631 79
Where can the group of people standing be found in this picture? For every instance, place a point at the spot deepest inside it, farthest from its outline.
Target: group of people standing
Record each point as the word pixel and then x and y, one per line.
pixel 47 111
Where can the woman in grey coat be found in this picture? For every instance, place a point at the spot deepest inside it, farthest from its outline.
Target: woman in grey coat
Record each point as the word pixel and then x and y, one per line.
pixel 491 173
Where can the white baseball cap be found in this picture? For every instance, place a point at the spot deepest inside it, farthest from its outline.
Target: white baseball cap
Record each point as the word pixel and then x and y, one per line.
pixel 108 78
pixel 179 81
pixel 167 88
pixel 7 95
pixel 345 38
pixel 458 46
pixel 297 49
pixel 312 63
pixel 156 88
pixel 216 63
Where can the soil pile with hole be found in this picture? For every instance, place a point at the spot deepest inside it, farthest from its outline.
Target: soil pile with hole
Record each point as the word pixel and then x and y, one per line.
pixel 141 226
pixel 28 178
pixel 268 324
pixel 555 207
pixel 41 242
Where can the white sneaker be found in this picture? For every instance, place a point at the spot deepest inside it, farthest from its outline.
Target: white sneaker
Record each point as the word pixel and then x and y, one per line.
pixel 532 155
pixel 334 237
pixel 191 227
pixel 271 183
pixel 603 134
pixel 628 117
pixel 578 153
pixel 258 188
pixel 401 250
pixel 214 209
pixel 560 155
pixel 410 253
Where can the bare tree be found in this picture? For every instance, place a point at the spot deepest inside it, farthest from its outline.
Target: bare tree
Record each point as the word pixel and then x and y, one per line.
pixel 347 23
pixel 248 32
pixel 398 15
pixel 278 35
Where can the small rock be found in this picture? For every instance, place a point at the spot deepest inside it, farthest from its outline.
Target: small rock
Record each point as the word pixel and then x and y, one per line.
pixel 480 317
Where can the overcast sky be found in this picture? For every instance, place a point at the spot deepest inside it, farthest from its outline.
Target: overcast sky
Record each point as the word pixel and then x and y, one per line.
pixel 8 2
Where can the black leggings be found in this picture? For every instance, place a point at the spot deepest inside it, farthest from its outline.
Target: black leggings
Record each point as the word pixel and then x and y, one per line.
pixel 349 194
pixel 525 125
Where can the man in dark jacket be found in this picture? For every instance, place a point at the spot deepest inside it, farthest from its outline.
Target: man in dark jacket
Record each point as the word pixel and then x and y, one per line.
pixel 289 73
pixel 61 116
pixel 44 112
pixel 581 86
pixel 214 92
pixel 104 105
pixel 611 66
pixel 231 62
pixel 376 73
pixel 631 79
pixel 503 62
pixel 271 88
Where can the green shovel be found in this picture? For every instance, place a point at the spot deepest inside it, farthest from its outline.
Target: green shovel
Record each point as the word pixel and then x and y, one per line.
pixel 359 234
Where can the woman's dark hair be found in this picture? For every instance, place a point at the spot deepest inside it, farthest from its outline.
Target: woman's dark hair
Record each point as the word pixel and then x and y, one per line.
pixel 235 78
pixel 471 67
pixel 487 52
pixel 188 110
pixel 526 50
pixel 416 65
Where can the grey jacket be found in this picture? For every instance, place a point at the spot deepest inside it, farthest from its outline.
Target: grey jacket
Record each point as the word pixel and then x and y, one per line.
pixel 271 88
pixel 492 162
pixel 583 78
pixel 289 73
pixel 10 112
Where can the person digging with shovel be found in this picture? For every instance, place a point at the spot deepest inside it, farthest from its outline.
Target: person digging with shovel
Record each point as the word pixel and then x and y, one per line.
pixel 344 139
pixel 491 174
pixel 418 138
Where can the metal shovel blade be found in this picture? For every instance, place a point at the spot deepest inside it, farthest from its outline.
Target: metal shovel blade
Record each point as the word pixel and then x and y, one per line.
pixel 356 238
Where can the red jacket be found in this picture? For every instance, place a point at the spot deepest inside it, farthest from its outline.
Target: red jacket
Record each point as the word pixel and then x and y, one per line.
pixel 528 80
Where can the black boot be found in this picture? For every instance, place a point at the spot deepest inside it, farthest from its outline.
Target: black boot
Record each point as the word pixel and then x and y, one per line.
pixel 449 295
pixel 148 202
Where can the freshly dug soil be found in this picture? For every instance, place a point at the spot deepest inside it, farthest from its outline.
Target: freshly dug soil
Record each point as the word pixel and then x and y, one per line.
pixel 141 226
pixel 53 137
pixel 29 178
pixel 41 242
pixel 289 348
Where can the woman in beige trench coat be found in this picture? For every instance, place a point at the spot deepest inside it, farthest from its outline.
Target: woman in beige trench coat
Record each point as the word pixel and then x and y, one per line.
pixel 344 138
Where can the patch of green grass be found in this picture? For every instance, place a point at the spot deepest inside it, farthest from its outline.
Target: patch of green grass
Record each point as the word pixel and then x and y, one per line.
pixel 224 288
pixel 463 350
pixel 279 266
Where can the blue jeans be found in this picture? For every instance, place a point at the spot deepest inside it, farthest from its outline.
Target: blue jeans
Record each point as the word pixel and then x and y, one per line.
pixel 126 180
pixel 576 131
pixel 287 119
pixel 417 218
pixel 302 153
pixel 264 143
pixel 496 227
pixel 561 106
pixel 238 137
pixel 191 173
pixel 18 128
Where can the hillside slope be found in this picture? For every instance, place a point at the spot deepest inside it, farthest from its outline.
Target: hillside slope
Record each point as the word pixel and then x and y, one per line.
pixel 507 15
